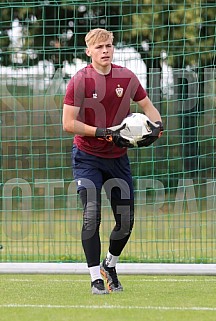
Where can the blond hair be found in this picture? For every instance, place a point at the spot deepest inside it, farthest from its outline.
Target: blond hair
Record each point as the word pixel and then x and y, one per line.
pixel 98 35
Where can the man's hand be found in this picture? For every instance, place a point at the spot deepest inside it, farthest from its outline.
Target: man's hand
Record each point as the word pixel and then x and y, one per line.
pixel 157 131
pixel 113 136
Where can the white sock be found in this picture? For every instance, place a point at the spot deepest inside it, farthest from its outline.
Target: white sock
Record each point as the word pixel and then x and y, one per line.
pixel 95 273
pixel 111 260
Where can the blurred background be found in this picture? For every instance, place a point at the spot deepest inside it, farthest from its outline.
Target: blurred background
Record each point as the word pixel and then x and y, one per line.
pixel 170 46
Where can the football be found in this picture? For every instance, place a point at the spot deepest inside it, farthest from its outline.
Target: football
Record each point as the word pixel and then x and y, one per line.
pixel 136 126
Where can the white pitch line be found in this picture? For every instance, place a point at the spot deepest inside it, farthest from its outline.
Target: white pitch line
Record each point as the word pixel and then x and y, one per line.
pixel 173 280
pixel 134 280
pixel 164 308
pixel 51 280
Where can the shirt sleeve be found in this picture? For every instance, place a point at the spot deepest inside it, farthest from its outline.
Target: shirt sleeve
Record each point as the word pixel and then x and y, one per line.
pixel 138 92
pixel 75 91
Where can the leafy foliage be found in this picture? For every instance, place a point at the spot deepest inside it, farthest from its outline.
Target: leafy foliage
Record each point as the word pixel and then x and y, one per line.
pixel 186 31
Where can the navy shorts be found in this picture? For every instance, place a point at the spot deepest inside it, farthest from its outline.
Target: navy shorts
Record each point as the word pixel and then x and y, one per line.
pixel 91 171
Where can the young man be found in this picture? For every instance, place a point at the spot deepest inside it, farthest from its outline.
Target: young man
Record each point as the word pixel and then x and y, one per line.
pixel 98 97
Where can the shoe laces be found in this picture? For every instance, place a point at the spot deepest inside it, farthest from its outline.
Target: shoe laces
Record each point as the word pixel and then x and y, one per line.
pixel 99 284
pixel 113 274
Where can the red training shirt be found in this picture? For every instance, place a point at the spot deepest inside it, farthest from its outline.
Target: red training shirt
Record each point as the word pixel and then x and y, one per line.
pixel 104 101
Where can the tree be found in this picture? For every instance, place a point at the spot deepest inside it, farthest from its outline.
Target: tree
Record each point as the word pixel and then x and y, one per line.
pixel 58 28
pixel 185 30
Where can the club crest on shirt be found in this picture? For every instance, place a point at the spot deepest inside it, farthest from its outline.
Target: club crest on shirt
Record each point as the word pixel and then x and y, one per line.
pixel 119 91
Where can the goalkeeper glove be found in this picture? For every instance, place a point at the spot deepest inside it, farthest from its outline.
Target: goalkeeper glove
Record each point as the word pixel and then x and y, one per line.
pixel 157 132
pixel 113 136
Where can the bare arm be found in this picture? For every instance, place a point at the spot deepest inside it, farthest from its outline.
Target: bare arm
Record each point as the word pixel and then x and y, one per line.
pixel 74 126
pixel 149 109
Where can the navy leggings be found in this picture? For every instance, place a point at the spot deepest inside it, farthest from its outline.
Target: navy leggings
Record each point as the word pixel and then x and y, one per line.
pixel 91 173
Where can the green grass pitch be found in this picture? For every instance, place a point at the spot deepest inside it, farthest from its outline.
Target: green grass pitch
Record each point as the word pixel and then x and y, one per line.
pixel 68 297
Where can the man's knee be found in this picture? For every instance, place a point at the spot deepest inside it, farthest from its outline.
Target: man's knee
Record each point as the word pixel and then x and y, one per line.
pixel 91 201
